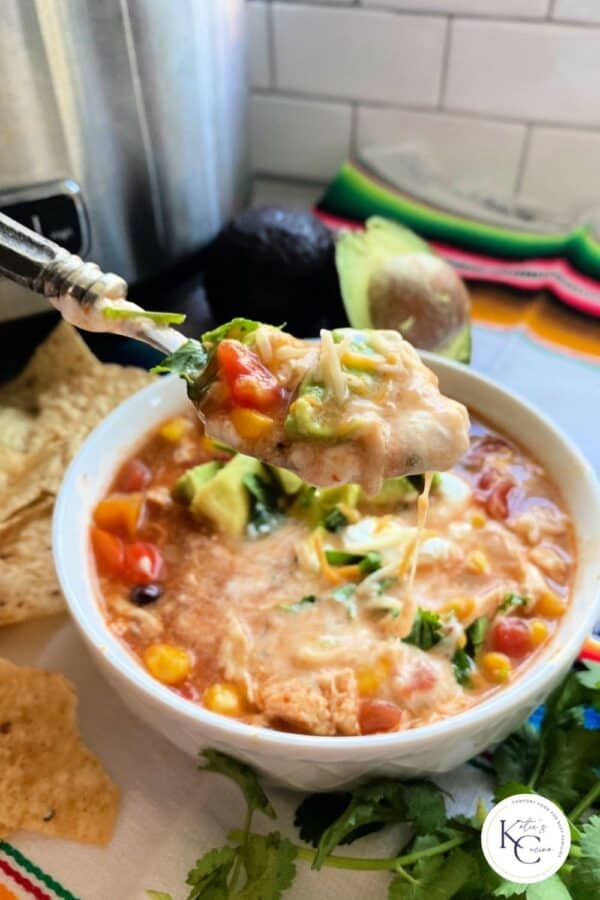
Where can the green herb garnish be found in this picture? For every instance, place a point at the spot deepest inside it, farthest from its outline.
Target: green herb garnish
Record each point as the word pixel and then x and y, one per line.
pixel 443 858
pixel 191 362
pixel 161 318
pixel 265 515
pixel 237 329
pixel 345 596
pixel 367 562
pixel 426 630
pixel 512 601
pixel 300 605
pixel 476 633
pixel 335 519
pixel 463 666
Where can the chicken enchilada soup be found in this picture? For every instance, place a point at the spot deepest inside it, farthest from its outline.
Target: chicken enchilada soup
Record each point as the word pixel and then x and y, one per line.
pixel 325 611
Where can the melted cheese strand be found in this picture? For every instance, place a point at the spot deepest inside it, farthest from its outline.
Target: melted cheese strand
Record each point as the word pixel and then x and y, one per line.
pixel 422 510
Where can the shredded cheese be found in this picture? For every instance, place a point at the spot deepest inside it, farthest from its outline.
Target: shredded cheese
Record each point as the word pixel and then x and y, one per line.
pixel 422 509
pixel 331 367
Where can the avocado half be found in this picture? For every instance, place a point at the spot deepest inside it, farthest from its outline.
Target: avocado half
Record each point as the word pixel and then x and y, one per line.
pixel 390 278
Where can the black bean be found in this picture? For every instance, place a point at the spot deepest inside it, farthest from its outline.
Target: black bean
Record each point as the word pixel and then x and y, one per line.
pixel 143 594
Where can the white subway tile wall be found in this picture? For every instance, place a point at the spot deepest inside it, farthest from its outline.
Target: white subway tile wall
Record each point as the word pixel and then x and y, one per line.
pixel 302 138
pixel 577 10
pixel 500 95
pixel 358 54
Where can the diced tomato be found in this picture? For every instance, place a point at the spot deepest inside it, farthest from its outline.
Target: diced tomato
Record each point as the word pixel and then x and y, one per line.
pixel 488 478
pixel 378 715
pixel 133 476
pixel 109 551
pixel 143 563
pixel 120 513
pixel 497 504
pixel 512 637
pixel 249 381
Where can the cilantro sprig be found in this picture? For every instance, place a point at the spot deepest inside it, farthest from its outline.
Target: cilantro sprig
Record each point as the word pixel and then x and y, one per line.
pixel 443 858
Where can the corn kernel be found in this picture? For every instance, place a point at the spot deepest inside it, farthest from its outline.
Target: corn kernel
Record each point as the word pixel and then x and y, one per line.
pixel 461 642
pixel 360 361
pixel 550 605
pixel 175 429
pixel 167 663
pixel 462 607
pixel 477 562
pixel 225 698
pixel 538 631
pixel 478 520
pixel 249 423
pixel 370 678
pixel 496 666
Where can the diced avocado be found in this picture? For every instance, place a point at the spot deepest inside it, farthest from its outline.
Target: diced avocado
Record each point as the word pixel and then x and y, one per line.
pixel 394 490
pixel 224 499
pixel 303 420
pixel 187 484
pixel 313 504
pixel 390 278
pixel 289 482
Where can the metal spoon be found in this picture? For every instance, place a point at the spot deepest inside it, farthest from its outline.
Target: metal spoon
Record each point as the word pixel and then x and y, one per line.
pixel 78 290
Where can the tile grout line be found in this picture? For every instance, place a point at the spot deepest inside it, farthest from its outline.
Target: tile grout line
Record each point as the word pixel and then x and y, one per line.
pixel 290 94
pixel 445 62
pixel 522 164
pixel 496 18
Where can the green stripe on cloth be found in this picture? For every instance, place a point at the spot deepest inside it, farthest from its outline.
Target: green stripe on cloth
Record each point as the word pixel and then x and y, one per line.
pixel 30 867
pixel 355 194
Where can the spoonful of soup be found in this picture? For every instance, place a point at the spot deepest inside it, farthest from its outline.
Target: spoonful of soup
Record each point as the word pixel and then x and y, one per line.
pixel 357 406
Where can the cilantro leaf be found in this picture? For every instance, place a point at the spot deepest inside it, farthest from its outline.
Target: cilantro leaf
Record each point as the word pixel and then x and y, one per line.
pixel 238 329
pixel 342 558
pixel 476 633
pixel 161 318
pixel 590 677
pixel 590 838
pixel 318 811
pixel 300 605
pixel 243 776
pixel 442 882
pixel 159 895
pixel 426 630
pixel 370 563
pixel 510 889
pixel 425 806
pixel 264 510
pixel 345 596
pixel 584 882
pixel 335 519
pixel 512 601
pixel 379 802
pixel 510 789
pixel 208 878
pixel 569 769
pixel 549 889
pixel 188 362
pixel 270 869
pixel 462 665
pixel 515 759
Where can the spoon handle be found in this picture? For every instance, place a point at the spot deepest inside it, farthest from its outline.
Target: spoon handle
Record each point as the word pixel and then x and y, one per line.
pixel 33 261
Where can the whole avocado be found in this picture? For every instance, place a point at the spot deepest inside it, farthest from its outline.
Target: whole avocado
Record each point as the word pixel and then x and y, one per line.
pixel 275 265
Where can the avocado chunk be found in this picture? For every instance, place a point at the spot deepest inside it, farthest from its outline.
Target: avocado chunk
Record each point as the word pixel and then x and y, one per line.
pixel 391 279
pixel 224 499
pixel 312 504
pixel 394 490
pixel 288 481
pixel 187 484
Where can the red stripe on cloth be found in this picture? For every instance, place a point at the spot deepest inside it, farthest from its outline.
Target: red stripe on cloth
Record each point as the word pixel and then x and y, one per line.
pixel 23 882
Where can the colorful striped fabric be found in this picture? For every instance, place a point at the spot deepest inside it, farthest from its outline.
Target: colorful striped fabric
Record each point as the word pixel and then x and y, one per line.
pixel 565 263
pixel 20 879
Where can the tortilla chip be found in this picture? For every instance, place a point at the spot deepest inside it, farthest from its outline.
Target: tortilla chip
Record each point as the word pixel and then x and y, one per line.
pixel 63 355
pixel 49 410
pixel 28 583
pixel 50 783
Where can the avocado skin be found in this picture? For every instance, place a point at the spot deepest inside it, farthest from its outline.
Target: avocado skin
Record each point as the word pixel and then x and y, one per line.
pixel 224 499
pixel 276 265
pixel 188 484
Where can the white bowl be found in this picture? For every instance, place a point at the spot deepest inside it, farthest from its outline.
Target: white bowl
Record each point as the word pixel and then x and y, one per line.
pixel 322 763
